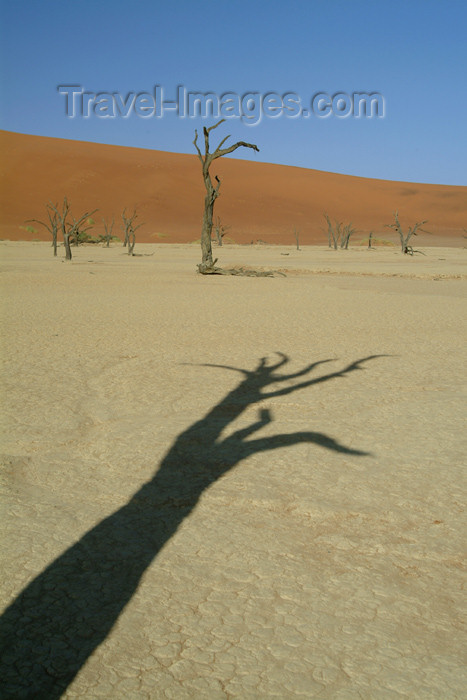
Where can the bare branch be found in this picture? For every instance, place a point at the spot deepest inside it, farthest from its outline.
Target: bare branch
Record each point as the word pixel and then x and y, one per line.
pixel 195 143
pixel 206 144
pixel 87 215
pixel 36 221
pixel 219 153
pixel 222 142
pixel 129 230
pixel 214 126
pixel 405 237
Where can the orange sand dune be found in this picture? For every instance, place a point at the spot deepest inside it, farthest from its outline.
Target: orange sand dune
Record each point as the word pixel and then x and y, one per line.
pixel 259 201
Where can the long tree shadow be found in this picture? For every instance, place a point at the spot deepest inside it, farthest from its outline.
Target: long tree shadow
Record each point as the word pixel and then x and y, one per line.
pixel 67 611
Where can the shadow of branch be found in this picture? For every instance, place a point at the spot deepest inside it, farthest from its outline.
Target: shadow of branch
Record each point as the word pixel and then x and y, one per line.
pixel 67 611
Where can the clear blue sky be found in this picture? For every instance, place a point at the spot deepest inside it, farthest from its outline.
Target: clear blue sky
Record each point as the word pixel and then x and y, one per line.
pixel 413 52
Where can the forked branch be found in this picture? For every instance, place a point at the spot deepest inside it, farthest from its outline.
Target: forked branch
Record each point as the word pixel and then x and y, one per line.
pixel 405 237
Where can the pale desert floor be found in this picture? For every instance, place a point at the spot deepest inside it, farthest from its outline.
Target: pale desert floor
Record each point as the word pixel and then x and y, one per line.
pixel 185 520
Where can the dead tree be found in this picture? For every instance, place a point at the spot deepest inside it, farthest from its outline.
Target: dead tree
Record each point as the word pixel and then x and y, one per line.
pixel 52 226
pixel 131 241
pixel 405 237
pixel 62 216
pixel 339 234
pixel 207 263
pixel 108 232
pixel 70 230
pixel 332 232
pixel 346 233
pixel 296 234
pixel 220 230
pixel 129 230
pixel 329 230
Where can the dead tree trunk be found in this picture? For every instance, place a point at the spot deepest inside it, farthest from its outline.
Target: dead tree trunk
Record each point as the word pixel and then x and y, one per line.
pixel 207 263
pixel 62 222
pixel 332 232
pixel 220 230
pixel 53 228
pixel 296 234
pixel 54 239
pixel 329 231
pixel 66 243
pixel 69 231
pixel 346 234
pixel 108 231
pixel 75 232
pixel 405 237
pixel 129 230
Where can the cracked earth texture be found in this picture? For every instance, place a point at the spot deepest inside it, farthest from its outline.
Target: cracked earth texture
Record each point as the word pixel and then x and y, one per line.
pixel 182 519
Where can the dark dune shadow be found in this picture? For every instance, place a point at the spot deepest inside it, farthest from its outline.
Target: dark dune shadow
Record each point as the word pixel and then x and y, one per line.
pixel 61 617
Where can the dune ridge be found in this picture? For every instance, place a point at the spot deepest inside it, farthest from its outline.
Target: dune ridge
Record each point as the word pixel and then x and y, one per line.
pixel 259 201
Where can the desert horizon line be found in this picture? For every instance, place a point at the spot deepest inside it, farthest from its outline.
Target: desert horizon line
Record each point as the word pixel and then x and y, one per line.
pixel 255 161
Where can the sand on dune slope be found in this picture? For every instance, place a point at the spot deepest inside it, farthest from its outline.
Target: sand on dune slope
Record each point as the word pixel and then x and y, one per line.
pixel 258 201
pixel 232 487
